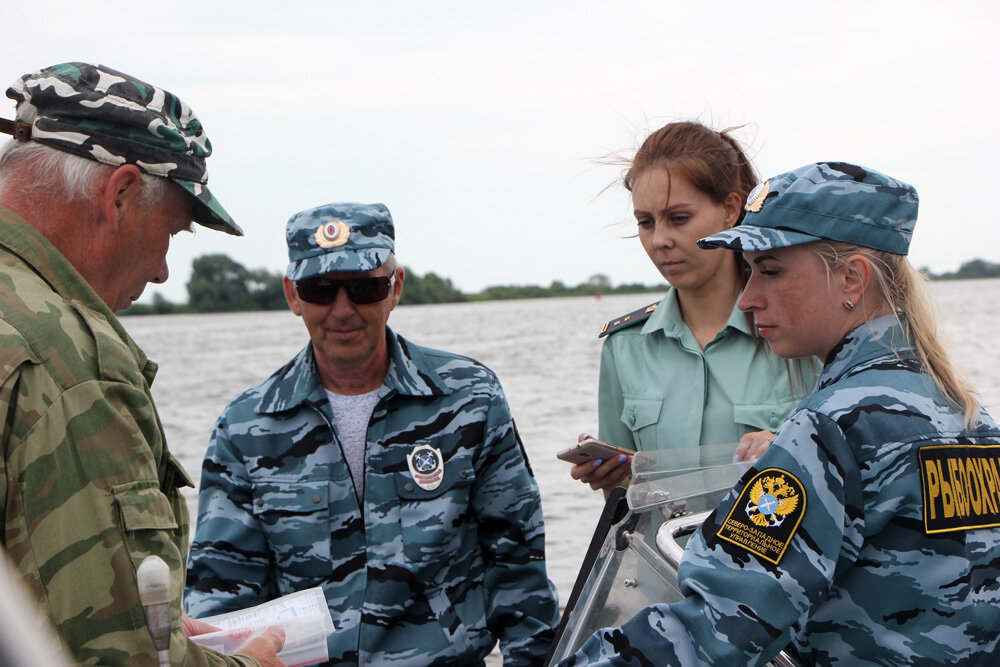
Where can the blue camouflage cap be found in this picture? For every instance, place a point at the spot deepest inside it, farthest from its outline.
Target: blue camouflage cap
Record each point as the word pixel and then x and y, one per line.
pixel 102 114
pixel 338 237
pixel 835 201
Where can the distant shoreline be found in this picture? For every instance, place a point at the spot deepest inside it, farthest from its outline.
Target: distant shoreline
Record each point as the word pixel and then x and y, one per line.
pixel 219 284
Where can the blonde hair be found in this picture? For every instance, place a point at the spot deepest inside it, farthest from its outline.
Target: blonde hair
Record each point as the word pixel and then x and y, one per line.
pixel 902 290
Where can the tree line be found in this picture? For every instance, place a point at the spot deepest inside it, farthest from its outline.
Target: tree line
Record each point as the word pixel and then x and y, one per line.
pixel 977 268
pixel 220 284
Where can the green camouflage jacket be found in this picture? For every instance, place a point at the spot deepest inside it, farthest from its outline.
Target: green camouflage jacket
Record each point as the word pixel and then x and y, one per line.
pixel 88 488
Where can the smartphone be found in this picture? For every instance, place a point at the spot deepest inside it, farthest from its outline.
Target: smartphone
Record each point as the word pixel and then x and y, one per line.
pixel 591 449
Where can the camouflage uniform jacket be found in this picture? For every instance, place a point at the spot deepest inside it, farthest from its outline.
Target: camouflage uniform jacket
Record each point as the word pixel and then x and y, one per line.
pixel 413 575
pixel 88 488
pixel 884 557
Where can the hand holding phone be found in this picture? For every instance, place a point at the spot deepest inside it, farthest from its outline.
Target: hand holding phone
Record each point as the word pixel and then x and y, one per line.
pixel 598 464
pixel 590 450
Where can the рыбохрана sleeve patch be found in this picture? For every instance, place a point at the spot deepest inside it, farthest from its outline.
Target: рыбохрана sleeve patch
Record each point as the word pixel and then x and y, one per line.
pixel 960 485
pixel 766 515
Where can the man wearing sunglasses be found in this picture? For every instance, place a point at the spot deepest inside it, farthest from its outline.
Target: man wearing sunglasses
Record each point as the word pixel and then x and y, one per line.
pixel 388 473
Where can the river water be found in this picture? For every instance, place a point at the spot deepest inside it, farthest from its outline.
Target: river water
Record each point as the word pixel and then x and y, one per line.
pixel 546 352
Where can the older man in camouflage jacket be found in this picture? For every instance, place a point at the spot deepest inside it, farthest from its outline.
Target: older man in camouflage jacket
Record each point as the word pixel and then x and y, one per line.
pixel 103 169
pixel 388 473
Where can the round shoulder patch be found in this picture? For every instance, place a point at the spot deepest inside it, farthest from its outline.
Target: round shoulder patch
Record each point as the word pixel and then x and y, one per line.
pixel 766 515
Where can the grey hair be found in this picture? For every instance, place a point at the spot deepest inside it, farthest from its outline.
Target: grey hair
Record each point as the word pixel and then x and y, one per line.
pixel 75 177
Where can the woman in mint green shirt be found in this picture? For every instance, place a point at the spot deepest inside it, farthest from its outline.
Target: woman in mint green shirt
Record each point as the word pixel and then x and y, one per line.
pixel 688 371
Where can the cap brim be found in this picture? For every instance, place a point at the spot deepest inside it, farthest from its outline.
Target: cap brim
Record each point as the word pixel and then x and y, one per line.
pixel 750 238
pixel 207 209
pixel 366 259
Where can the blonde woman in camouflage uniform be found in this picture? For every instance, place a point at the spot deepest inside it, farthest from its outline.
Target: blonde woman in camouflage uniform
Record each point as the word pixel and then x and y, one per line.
pixel 867 533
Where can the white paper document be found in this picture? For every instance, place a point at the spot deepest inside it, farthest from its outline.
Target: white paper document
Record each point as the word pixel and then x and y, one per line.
pixel 304 616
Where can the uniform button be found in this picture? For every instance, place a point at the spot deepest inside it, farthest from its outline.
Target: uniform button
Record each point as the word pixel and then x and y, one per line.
pixel 408 487
pixel 316 498
pixel 631 419
pixel 464 474
pixel 774 421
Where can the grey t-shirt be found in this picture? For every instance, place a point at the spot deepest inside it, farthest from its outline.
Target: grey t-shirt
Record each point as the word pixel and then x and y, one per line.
pixel 352 414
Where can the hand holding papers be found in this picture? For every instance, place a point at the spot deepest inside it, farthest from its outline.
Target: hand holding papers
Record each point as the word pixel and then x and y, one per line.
pixel 304 615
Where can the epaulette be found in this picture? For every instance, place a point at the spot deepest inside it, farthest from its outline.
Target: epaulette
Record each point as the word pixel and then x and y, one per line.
pixel 635 317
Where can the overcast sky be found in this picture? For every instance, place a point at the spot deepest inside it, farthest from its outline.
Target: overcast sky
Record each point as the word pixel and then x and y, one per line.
pixel 482 125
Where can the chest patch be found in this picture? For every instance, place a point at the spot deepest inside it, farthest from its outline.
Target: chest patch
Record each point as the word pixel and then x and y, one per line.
pixel 960 485
pixel 426 466
pixel 766 515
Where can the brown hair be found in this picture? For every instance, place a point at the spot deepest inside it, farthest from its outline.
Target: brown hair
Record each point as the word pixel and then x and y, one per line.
pixel 902 291
pixel 714 162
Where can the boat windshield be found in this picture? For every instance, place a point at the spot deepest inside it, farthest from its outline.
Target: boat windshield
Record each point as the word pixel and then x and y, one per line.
pixel 634 563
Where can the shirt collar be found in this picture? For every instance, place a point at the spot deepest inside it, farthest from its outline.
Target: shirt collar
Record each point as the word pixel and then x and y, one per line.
pixel 870 340
pixel 667 318
pixel 298 382
pixel 21 239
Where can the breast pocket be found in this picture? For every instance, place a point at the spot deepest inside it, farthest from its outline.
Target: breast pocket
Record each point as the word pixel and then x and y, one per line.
pixel 641 415
pixel 147 521
pixel 295 518
pixel 436 522
pixel 767 416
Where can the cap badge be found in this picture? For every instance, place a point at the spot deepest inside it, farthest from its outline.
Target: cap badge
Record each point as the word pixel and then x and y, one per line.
pixel 426 466
pixel 755 200
pixel 332 234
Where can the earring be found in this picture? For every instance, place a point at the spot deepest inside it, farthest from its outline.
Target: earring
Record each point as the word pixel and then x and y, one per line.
pixel 849 305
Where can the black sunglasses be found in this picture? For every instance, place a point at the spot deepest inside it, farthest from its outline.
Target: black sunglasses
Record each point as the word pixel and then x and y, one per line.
pixel 323 291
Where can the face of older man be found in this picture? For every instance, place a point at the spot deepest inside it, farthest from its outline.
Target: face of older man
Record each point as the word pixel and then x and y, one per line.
pixel 347 336
pixel 139 252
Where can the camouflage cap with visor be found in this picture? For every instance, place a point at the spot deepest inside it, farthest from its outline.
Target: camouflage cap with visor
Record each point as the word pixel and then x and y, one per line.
pixel 835 201
pixel 102 114
pixel 338 237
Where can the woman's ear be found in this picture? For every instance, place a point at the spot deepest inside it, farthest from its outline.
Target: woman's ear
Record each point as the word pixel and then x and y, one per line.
pixel 732 205
pixel 857 277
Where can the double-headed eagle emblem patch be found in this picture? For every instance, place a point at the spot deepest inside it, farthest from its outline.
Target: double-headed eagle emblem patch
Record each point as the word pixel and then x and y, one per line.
pixel 766 515
pixel 771 501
